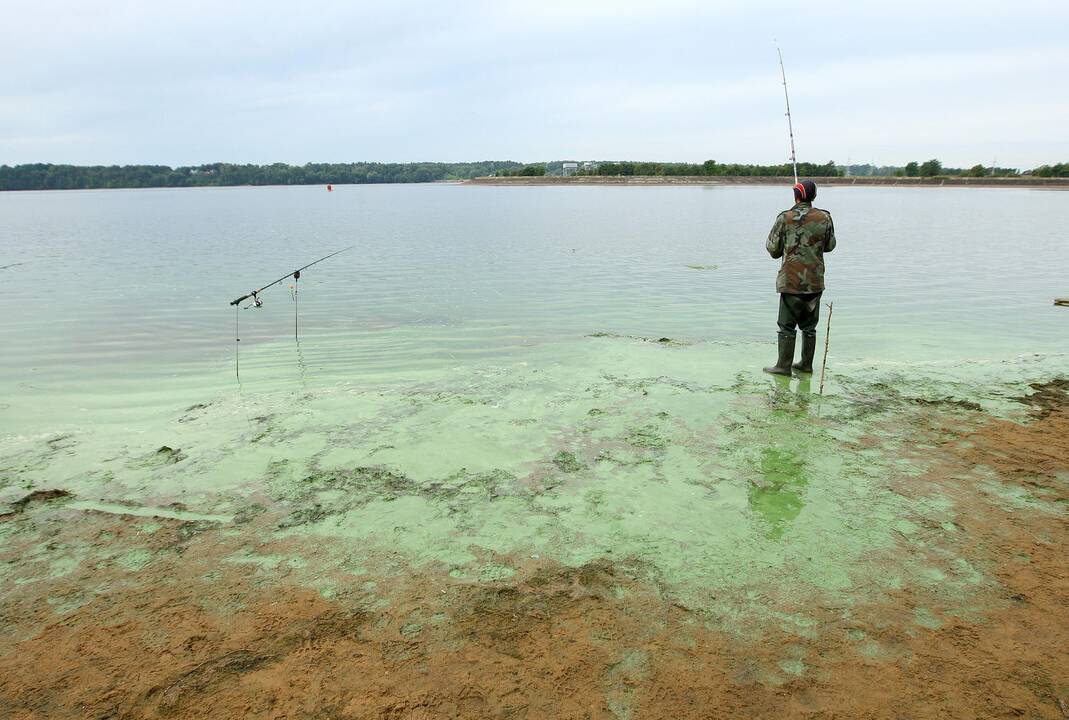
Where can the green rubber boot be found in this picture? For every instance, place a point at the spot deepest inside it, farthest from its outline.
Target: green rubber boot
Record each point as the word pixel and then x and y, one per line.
pixel 809 347
pixel 786 355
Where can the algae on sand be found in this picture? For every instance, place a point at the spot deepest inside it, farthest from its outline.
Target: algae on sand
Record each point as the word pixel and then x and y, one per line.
pixel 717 480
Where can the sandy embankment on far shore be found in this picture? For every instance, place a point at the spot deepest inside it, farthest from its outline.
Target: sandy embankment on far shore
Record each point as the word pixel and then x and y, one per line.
pixel 646 180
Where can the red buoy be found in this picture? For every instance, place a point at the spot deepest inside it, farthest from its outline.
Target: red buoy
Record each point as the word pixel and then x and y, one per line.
pixel 330 188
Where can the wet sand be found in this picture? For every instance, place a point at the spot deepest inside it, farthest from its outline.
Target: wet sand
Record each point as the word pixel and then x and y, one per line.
pixel 192 618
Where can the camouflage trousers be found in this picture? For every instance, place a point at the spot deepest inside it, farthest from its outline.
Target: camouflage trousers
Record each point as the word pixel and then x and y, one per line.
pixel 801 311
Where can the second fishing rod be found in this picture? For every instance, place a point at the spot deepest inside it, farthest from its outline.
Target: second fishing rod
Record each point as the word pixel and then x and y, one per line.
pixel 257 302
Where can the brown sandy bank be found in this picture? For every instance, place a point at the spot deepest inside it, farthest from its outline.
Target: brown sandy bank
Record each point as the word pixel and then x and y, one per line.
pixel 644 180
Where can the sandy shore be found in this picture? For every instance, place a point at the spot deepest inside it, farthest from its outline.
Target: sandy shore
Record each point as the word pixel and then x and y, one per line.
pixel 164 622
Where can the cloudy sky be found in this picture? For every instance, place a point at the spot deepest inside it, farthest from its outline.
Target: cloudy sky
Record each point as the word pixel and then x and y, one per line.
pixel 263 81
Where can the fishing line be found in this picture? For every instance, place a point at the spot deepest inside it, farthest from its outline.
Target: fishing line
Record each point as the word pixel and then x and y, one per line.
pixel 296 277
pixel 302 368
pixel 237 342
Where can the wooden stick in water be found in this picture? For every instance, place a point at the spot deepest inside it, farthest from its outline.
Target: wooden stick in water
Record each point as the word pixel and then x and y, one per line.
pixel 827 340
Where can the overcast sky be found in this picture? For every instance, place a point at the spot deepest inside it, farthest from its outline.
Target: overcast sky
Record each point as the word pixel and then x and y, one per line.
pixel 178 83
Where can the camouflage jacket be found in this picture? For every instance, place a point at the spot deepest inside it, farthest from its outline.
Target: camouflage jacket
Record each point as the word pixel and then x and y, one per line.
pixel 801 236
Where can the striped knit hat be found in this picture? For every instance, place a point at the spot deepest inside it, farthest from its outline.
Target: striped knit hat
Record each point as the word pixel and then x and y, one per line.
pixel 805 190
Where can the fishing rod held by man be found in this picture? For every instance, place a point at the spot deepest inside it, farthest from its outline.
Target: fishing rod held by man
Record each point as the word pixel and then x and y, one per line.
pixel 790 124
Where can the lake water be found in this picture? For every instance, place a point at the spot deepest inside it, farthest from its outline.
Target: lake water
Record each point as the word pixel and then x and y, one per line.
pixel 509 333
pixel 121 283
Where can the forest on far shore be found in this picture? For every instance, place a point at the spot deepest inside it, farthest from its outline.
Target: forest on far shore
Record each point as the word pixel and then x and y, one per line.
pixel 42 176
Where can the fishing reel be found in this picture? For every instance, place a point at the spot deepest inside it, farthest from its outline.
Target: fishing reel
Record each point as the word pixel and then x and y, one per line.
pixel 256 301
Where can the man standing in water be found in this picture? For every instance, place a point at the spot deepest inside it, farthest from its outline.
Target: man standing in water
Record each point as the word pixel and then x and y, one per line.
pixel 800 236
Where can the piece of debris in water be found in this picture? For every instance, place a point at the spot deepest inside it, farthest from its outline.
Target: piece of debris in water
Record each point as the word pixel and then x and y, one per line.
pixel 36 496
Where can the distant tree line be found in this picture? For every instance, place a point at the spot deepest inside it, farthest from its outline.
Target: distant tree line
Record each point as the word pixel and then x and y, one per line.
pixel 934 168
pixel 537 170
pixel 1055 170
pixel 80 177
pixel 712 168
pixel 929 168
